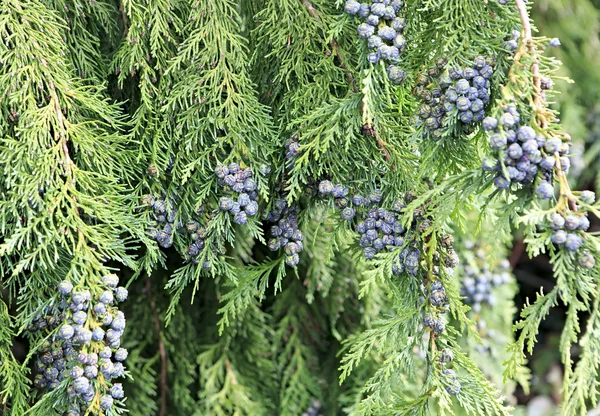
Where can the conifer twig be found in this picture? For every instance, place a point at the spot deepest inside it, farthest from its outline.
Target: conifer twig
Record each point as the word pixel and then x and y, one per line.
pixel 540 104
pixel 161 350
pixel 335 47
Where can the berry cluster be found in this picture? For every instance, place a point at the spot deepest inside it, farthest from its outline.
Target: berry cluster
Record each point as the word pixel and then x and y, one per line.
pixel 389 42
pixel 568 228
pixel 479 280
pixel 450 94
pixel 285 231
pixel 85 347
pixel 164 213
pixel 512 44
pixel 240 181
pixel 198 236
pixel 520 154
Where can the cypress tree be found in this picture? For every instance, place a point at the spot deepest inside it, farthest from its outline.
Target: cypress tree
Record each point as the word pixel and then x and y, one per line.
pixel 290 207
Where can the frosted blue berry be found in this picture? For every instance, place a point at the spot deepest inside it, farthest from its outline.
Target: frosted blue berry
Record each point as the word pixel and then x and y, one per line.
pixel 84 336
pixel 511 45
pixel 107 297
pixel 118 324
pixel 121 294
pixel 573 242
pixel 514 151
pixel 91 371
pixel 547 163
pixel 439 326
pixel 116 391
pixel 386 33
pixel 395 74
pixel 463 103
pixel 352 7
pixel 372 20
pixel 65 287
pixel 98 334
pixel 241 218
pixel 586 260
pixel 559 237
pixel 555 42
pixel 571 222
pixel 587 197
pixel 364 11
pixel 501 182
pixel 552 145
pixel 462 86
pixel 81 384
pixel 325 187
pixel 584 223
pixel 225 203
pixel 378 9
pixel 365 30
pixel 292 260
pixel 544 191
pixel 66 332
pixel 398 24
pixel 121 354
pixel 370 253
pixel 348 213
pixel 111 280
pixel 466 117
pixel 79 317
pixel 399 43
pixel 78 297
pixel 106 402
pixel 489 165
pixel 556 221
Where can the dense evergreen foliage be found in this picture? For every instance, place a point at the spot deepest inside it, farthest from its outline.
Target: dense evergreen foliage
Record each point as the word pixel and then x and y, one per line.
pixel 293 207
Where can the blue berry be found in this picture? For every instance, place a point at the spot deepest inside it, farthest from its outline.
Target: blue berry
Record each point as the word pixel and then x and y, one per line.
pixel 553 145
pixel 395 74
pixel 398 24
pixel 571 222
pixel 555 42
pixel 514 151
pixel 556 221
pixel 584 223
pixel 365 30
pixel 587 197
pixel 462 86
pixel 66 332
pixel 559 237
pixel 348 214
pixel 352 7
pixel 65 287
pixel 545 191
pixel 81 385
pixel 107 297
pixel 586 260
pixel 501 182
pixel 121 294
pixel 573 242
pixel 121 354
pixel 106 402
pixel 98 334
pixel 116 391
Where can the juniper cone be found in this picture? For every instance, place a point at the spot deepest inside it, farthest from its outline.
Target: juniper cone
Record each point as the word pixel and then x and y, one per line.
pixel 224 207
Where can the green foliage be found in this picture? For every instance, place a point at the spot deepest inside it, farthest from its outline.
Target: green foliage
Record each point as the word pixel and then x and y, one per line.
pixel 107 103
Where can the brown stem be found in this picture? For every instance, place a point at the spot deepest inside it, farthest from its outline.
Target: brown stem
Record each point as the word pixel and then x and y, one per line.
pixel 124 17
pixel 335 47
pixel 161 349
pixel 230 372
